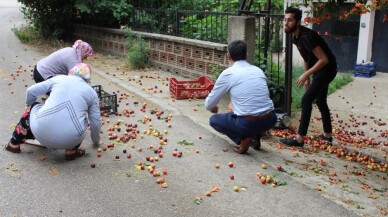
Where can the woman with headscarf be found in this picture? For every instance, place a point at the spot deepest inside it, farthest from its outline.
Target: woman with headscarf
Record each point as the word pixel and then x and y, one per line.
pixel 61 61
pixel 62 121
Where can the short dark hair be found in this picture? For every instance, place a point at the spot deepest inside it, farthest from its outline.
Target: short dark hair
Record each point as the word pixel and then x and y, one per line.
pixel 237 50
pixel 297 13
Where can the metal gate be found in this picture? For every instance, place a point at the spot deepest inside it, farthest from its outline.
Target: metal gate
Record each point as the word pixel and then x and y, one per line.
pixel 271 57
pixel 212 26
pixel 343 42
pixel 380 42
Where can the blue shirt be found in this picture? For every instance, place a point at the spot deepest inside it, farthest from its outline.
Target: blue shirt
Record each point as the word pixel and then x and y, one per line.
pixel 248 89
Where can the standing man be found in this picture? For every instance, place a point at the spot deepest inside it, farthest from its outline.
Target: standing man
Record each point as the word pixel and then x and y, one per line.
pixel 319 62
pixel 253 109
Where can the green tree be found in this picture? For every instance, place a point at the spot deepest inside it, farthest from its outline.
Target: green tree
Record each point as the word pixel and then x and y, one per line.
pixel 51 18
pixel 323 11
pixel 107 13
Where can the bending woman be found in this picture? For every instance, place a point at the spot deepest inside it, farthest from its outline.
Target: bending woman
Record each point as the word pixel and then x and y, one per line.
pixel 62 121
pixel 61 61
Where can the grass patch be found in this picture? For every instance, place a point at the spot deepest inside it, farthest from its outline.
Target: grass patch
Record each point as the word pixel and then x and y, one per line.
pixel 27 34
pixel 297 93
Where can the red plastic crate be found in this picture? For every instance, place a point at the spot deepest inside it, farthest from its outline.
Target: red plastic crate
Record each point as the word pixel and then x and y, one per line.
pixel 193 89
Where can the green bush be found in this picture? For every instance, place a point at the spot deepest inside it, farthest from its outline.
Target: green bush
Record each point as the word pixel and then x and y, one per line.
pixel 51 18
pixel 137 56
pixel 215 70
pixel 106 13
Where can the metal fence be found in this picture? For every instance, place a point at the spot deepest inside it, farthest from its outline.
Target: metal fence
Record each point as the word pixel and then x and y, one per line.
pixel 201 25
pixel 269 43
pixel 269 53
pixel 213 26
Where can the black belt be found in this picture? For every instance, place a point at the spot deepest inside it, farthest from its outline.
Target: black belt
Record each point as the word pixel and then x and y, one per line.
pixel 259 117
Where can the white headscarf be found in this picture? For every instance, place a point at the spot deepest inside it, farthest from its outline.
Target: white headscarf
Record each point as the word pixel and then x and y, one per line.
pixel 82 70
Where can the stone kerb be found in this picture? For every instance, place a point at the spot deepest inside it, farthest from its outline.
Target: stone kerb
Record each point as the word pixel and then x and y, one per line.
pixel 185 57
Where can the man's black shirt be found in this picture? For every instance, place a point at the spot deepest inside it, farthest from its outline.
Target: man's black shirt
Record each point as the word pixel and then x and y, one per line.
pixel 307 41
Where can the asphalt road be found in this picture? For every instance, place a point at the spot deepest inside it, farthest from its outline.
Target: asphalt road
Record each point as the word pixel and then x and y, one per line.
pixel 40 182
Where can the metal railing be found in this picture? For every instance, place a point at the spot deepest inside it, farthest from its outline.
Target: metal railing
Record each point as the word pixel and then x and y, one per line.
pixel 269 44
pixel 213 26
pixel 201 25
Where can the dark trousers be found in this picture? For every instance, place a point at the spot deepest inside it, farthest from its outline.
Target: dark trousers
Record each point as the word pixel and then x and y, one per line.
pixel 22 130
pixel 317 91
pixel 237 128
pixel 37 77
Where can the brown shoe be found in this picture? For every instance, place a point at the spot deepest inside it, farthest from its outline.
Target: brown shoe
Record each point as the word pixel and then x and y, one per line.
pixel 256 144
pixel 77 153
pixel 8 147
pixel 244 145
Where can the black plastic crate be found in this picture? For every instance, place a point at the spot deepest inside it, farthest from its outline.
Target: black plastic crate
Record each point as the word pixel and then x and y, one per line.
pixel 108 102
pixel 98 89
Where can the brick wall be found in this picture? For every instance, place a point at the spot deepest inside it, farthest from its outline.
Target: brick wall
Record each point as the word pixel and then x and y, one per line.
pixel 186 57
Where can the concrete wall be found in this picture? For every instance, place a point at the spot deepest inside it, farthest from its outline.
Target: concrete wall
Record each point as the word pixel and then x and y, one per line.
pixel 186 57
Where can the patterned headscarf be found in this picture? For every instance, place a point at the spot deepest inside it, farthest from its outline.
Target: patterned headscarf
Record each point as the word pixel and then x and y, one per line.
pixel 82 50
pixel 82 70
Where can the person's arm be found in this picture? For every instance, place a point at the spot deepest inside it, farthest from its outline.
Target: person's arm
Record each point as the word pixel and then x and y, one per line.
pixel 94 117
pixel 307 83
pixel 221 87
pixel 322 61
pixel 36 90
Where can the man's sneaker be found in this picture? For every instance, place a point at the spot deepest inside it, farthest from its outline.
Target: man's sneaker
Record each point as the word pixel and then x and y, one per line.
pixel 291 142
pixel 327 139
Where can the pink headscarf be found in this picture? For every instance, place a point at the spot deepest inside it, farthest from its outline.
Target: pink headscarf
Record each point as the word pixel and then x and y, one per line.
pixel 83 50
pixel 82 70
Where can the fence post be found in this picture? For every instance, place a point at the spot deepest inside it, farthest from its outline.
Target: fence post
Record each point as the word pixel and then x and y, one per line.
pixel 286 107
pixel 267 30
pixel 177 19
pixel 243 28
